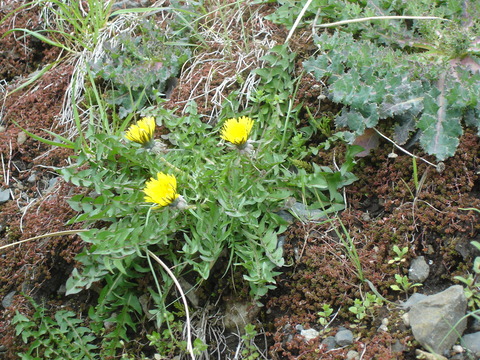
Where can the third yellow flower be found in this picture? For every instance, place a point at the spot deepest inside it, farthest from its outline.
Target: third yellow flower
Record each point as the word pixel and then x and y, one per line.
pixel 236 130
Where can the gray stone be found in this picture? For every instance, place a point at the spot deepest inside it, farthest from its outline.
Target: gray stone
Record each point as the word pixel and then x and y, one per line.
pixel 415 298
pixel 4 196
pixel 384 326
pixel 457 349
pixel 309 334
pixel 329 343
pixel 434 319
pixel 419 270
pixel 352 355
pixel 32 178
pixel 344 338
pixel 52 182
pixel 8 299
pixel 472 342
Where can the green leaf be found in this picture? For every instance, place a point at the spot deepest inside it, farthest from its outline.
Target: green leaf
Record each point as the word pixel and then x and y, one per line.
pixel 68 144
pixel 41 37
pixel 441 127
pixel 78 282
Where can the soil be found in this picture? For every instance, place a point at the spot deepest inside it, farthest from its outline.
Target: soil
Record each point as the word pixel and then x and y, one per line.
pixel 385 208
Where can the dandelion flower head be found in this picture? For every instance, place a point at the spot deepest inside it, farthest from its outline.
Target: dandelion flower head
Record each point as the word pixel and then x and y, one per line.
pixel 142 131
pixel 162 190
pixel 236 130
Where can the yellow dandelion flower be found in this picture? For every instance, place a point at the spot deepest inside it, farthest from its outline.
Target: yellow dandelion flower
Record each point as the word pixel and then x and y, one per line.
pixel 162 190
pixel 237 131
pixel 142 131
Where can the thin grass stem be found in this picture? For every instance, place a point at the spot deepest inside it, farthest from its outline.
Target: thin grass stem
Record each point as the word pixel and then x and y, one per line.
pixel 184 300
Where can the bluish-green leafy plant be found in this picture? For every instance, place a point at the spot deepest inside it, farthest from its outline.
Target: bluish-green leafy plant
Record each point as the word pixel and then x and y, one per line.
pixel 422 73
pixel 139 66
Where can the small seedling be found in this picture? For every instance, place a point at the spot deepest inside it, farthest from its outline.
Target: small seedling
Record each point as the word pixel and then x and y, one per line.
pixel 359 309
pixel 403 284
pixel 372 300
pixel 250 352
pixel 325 314
pixel 400 253
pixel 362 308
pixel 472 282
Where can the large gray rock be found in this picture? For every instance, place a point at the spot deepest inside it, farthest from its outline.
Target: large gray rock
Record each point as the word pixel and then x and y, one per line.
pixel 412 300
pixel 433 319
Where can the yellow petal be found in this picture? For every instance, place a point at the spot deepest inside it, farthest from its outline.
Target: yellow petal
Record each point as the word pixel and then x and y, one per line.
pixel 237 131
pixel 162 190
pixel 142 131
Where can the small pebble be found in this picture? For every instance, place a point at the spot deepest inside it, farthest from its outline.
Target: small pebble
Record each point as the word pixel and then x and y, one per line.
pixel 398 347
pixel 21 138
pixel 352 355
pixel 32 178
pixel 4 196
pixel 329 343
pixel 309 334
pixel 52 182
pixel 419 270
pixel 384 326
pixel 8 299
pixel 344 338
pixel 457 349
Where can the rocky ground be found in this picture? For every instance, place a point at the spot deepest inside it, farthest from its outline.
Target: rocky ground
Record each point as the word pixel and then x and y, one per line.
pixel 434 220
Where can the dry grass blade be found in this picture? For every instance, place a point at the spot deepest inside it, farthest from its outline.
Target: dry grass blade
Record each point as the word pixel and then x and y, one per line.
pixel 58 233
pixel 404 150
pixel 298 19
pixel 235 49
